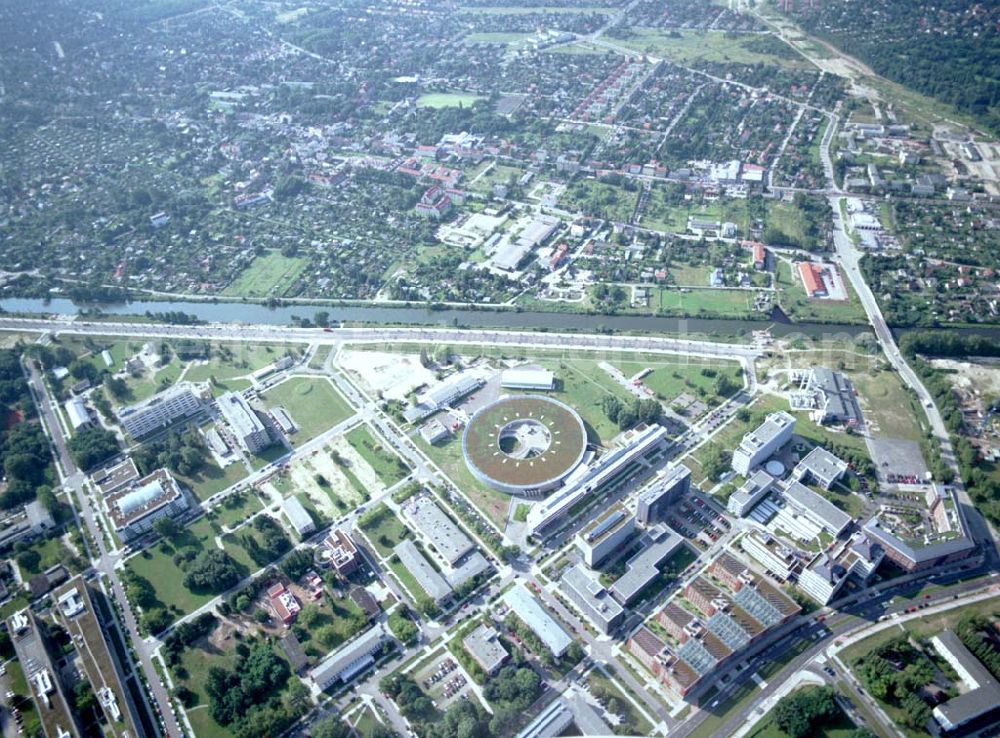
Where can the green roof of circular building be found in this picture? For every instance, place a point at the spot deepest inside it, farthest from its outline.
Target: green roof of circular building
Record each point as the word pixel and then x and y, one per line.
pixel 524 443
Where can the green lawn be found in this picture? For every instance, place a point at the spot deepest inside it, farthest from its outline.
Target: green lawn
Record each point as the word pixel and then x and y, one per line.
pixel 383 529
pixel 230 360
pixel 389 467
pixel 597 681
pixel 599 199
pixel 447 100
pixel 269 274
pixel 313 403
pixel 51 552
pixel 498 174
pixel 670 378
pixel 157 565
pixel 409 582
pixel 236 508
pixel 582 384
pixel 151 382
pixel 708 46
pixel 717 302
pixel 212 478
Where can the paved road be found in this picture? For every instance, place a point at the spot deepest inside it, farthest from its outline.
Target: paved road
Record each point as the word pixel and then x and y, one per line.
pixel 286 334
pixel 104 562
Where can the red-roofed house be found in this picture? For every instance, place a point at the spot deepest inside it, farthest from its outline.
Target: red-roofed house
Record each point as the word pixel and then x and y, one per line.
pixel 812 280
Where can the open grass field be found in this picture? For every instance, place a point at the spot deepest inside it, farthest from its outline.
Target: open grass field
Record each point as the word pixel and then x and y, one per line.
pixel 314 404
pixel 660 215
pixel 597 680
pixel 387 465
pixel 670 378
pixel 447 100
pixel 157 565
pixel 384 530
pixel 600 199
pixel 270 274
pixel 235 509
pixel 483 178
pixel 231 360
pixel 582 384
pixel 212 478
pixel 708 46
pixel 889 410
pixel 708 301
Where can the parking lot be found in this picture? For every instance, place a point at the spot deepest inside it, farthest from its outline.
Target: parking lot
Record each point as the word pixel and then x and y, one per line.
pixel 697 521
pixel 443 680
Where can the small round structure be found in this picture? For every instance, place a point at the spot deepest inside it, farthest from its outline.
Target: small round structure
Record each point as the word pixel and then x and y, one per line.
pixel 524 444
pixel 775 468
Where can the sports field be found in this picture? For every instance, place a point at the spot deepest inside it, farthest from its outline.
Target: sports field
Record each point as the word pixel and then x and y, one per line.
pixel 267 275
pixel 447 100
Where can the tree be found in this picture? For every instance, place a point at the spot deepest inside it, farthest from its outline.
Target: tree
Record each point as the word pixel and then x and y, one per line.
pixel 91 446
pixel 48 498
pixel 403 627
pixel 29 559
pixel 167 527
pixel 212 571
pixel 798 713
pixel 331 726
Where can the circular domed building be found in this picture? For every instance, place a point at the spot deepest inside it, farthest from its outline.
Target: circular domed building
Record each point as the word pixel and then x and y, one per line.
pixel 524 444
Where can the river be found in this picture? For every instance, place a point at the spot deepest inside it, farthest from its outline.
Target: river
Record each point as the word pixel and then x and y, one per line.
pixel 246 312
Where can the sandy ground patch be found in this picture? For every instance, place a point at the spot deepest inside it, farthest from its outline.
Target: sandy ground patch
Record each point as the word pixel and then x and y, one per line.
pixel 394 375
pixel 302 478
pixel 358 466
pixel 978 377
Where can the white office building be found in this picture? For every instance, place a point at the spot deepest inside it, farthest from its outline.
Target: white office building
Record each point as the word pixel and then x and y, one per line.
pixel 605 535
pixel 528 379
pixel 742 501
pixel 769 552
pixel 611 469
pixel 758 445
pixel 244 423
pixel 298 516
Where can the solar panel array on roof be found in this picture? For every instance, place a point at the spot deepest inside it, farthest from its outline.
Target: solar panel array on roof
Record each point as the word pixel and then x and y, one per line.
pixel 697 656
pixel 728 631
pixel 758 606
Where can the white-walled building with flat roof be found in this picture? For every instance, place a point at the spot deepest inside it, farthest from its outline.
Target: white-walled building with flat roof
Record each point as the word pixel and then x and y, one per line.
pixel 759 444
pixel 298 516
pixel 243 421
pixel 527 379
pixel 605 535
pixel 523 604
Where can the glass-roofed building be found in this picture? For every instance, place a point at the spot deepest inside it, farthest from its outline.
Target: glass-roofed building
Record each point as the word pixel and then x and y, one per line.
pixel 134 509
